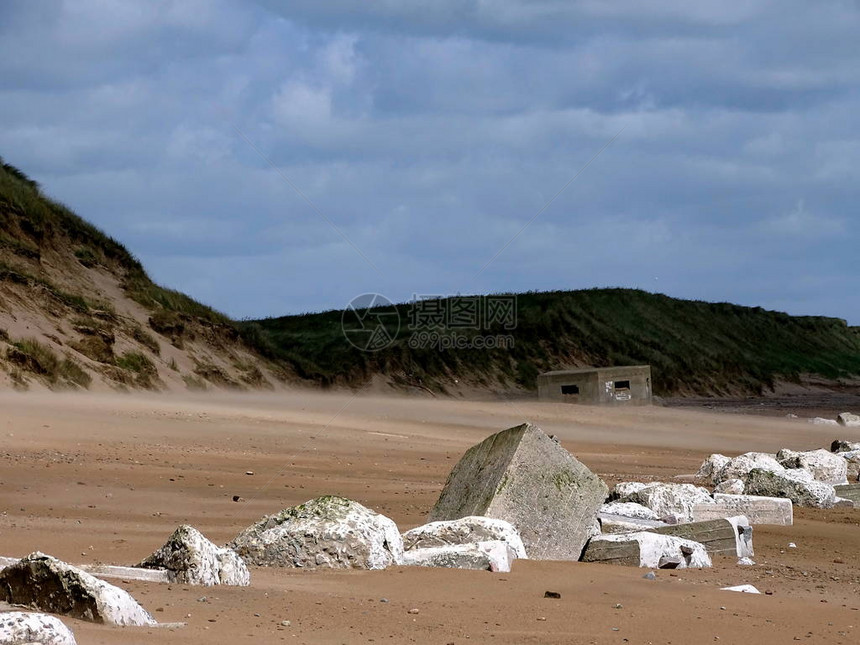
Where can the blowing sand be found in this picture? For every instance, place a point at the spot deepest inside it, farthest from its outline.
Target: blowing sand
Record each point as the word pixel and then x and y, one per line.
pixel 106 478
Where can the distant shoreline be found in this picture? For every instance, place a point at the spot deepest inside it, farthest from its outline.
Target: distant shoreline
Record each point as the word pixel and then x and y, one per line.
pixel 805 405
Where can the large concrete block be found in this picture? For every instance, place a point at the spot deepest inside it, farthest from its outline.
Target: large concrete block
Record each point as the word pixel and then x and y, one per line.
pixel 797 484
pixel 850 491
pixel 848 420
pixel 731 536
pixel 20 628
pixel 46 584
pixel 758 510
pixel 522 476
pixel 646 550
pixel 610 523
pixel 467 530
pixel 494 555
pixel 326 532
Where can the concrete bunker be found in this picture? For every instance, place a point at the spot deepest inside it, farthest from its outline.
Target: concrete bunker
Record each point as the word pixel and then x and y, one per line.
pixel 629 385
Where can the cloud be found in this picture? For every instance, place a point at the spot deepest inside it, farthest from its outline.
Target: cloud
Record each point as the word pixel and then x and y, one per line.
pixel 430 133
pixel 800 223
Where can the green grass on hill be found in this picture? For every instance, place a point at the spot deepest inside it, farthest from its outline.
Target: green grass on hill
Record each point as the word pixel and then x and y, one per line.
pixel 31 221
pixel 692 346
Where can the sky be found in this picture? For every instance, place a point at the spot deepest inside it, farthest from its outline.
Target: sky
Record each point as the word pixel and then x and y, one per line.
pixel 280 157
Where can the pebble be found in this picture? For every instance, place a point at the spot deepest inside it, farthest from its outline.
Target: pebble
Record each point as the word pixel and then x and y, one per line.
pixel 650 576
pixel 413 611
pixel 285 623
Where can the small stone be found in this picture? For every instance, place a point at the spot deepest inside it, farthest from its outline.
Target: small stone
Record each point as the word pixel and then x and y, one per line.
pixel 236 498
pixel 383 600
pixel 619 606
pixel 249 472
pixel 413 611
pixel 650 576
pixel 552 594
pixel 285 623
pixel 792 545
pixel 746 562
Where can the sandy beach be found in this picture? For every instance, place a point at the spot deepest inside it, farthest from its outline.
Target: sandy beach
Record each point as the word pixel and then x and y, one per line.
pixel 105 478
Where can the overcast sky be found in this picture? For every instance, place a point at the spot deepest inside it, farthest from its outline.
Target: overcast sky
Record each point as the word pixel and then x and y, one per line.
pixel 284 156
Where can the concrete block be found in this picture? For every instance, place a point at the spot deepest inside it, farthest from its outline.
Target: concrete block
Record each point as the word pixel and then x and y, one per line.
pixel 493 555
pixel 848 420
pixel 646 549
pixel 849 491
pixel 758 510
pixel 730 536
pixel 614 524
pixel 524 477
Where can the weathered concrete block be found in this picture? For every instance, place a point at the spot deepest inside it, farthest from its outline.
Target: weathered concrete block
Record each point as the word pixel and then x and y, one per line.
pixel 646 549
pixel 823 465
pixel 840 445
pixel 853 461
pixel 50 585
pixel 758 510
pixel 629 509
pixel 848 420
pixel 820 421
pixel 671 502
pixel 849 491
pixel 522 476
pixel 731 536
pixel 467 530
pixel 22 628
pixel 739 467
pixel 796 485
pixel 615 524
pixel 730 487
pixel 493 555
pixel 711 468
pixel 190 558
pixel 327 532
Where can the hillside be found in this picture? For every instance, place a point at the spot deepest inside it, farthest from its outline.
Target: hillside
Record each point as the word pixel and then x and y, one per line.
pixel 77 310
pixel 694 348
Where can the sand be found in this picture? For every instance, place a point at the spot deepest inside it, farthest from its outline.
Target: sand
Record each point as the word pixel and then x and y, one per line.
pixel 106 478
